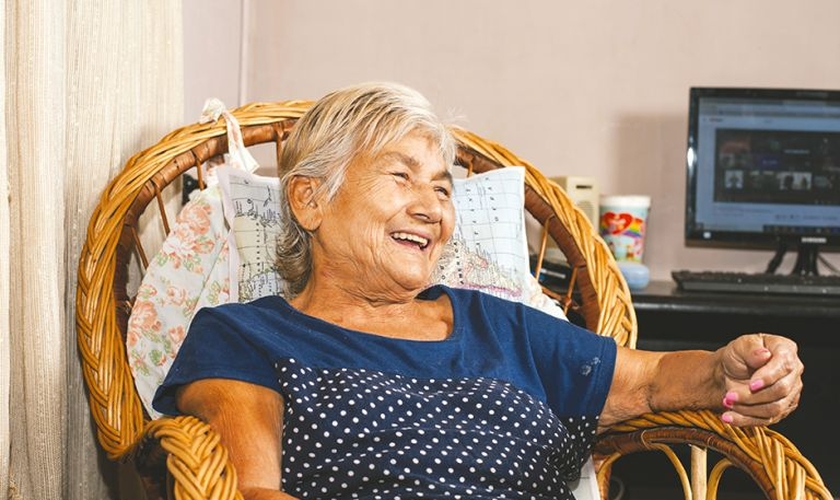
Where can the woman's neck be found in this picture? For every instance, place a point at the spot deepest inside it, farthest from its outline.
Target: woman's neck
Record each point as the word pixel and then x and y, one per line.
pixel 400 315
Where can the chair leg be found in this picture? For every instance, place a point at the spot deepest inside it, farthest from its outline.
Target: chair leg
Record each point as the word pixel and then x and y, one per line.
pixel 603 469
pixel 699 479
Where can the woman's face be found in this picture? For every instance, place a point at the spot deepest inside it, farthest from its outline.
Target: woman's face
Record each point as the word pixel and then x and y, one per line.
pixel 389 221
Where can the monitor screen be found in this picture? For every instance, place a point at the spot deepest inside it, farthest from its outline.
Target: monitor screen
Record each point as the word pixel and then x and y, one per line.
pixel 763 167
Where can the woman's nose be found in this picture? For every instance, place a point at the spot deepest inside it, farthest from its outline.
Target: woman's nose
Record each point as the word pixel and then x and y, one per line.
pixel 427 204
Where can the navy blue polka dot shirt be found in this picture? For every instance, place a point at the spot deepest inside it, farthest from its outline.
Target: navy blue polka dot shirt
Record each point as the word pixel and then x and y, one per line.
pixel 506 407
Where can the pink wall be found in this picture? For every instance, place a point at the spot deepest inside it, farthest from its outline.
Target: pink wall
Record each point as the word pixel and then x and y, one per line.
pixel 579 88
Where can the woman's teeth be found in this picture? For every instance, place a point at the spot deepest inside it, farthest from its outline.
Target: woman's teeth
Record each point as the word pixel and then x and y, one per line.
pixel 422 242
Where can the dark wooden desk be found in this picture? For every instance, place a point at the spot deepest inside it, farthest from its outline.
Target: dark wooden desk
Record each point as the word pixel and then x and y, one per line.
pixel 810 320
pixel 671 319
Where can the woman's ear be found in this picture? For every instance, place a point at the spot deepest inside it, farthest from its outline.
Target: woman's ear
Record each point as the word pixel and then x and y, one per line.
pixel 306 205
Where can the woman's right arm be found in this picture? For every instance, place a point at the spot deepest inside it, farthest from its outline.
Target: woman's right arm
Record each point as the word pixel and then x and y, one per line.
pixel 249 420
pixel 754 380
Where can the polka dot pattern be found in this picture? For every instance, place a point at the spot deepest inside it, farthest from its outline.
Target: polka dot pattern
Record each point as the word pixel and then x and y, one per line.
pixel 373 435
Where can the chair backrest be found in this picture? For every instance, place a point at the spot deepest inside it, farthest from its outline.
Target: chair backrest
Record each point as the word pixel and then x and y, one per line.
pixel 597 291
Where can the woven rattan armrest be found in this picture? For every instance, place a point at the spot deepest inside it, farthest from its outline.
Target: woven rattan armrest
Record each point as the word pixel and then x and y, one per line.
pixel 184 457
pixel 773 462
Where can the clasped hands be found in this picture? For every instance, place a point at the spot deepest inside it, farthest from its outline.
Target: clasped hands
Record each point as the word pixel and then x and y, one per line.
pixel 762 377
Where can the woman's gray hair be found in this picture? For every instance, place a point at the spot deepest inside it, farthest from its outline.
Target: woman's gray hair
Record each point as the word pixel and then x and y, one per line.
pixel 340 127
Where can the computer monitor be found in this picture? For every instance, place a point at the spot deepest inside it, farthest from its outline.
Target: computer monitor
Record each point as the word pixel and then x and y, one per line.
pixel 763 171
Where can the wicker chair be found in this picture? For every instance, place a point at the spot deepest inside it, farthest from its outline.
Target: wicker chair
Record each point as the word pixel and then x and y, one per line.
pixel 182 457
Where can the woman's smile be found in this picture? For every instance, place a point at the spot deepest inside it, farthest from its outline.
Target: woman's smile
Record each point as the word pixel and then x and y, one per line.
pixel 410 239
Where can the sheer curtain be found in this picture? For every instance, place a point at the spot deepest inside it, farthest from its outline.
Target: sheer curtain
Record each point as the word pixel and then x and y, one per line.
pixel 86 83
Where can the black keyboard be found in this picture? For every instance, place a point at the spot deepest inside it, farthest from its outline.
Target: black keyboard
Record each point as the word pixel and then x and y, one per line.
pixel 725 281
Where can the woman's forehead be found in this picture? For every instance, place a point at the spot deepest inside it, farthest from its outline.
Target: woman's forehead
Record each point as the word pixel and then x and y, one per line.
pixel 414 149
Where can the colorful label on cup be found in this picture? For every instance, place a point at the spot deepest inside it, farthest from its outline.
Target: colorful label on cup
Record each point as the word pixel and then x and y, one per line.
pixel 624 232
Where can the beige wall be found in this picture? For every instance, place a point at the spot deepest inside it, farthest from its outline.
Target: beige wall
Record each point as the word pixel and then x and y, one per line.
pixel 592 88
pixel 212 53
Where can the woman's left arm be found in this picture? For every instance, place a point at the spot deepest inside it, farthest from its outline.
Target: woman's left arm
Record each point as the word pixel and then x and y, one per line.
pixel 754 380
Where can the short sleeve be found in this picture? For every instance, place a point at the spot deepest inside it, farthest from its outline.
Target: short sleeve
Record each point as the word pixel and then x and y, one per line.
pixel 575 365
pixel 217 346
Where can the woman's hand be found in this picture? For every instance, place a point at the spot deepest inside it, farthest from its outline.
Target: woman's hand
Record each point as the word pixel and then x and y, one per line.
pixel 754 380
pixel 762 378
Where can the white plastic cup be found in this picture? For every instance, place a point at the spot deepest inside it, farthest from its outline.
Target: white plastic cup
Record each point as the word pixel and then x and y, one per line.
pixel 622 221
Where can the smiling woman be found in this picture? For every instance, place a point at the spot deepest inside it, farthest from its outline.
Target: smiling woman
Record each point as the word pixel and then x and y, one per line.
pixel 399 201
pixel 354 124
pixel 364 382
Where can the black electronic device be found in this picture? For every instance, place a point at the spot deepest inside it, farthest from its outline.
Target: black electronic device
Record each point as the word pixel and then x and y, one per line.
pixel 761 283
pixel 554 275
pixel 763 171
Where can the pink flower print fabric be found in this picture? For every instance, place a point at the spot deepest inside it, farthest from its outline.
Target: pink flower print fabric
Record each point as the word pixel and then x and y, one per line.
pixel 191 271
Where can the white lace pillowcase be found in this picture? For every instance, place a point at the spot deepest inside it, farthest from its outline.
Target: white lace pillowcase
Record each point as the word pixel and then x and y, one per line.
pixel 487 252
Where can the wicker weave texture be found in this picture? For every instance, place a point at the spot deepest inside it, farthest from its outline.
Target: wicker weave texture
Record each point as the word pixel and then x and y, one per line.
pixel 766 455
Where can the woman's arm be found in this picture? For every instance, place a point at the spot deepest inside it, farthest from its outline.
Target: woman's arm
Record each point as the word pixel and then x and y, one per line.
pixel 249 419
pixel 754 380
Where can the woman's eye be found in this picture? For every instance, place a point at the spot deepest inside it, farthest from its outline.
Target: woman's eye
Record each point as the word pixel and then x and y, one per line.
pixel 400 175
pixel 443 191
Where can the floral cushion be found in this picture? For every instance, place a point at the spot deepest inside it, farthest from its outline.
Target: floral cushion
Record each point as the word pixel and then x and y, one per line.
pixel 191 271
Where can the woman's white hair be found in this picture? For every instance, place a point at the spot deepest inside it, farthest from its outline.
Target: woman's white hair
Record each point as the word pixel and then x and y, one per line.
pixel 348 123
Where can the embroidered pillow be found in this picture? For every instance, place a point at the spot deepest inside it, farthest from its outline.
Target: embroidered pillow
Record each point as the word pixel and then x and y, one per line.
pixel 488 250
pixel 253 212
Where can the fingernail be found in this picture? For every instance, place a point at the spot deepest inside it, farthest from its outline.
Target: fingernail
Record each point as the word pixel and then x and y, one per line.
pixel 761 351
pixel 756 384
pixel 730 398
pixel 726 417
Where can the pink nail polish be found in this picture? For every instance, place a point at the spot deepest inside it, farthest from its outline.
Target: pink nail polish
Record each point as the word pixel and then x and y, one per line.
pixel 727 418
pixel 756 384
pixel 727 403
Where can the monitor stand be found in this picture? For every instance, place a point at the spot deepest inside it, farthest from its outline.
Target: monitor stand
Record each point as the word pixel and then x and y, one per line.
pixel 807 256
pixel 806 260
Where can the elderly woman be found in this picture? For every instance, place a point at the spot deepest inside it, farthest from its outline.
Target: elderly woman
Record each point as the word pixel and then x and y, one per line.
pixel 365 382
